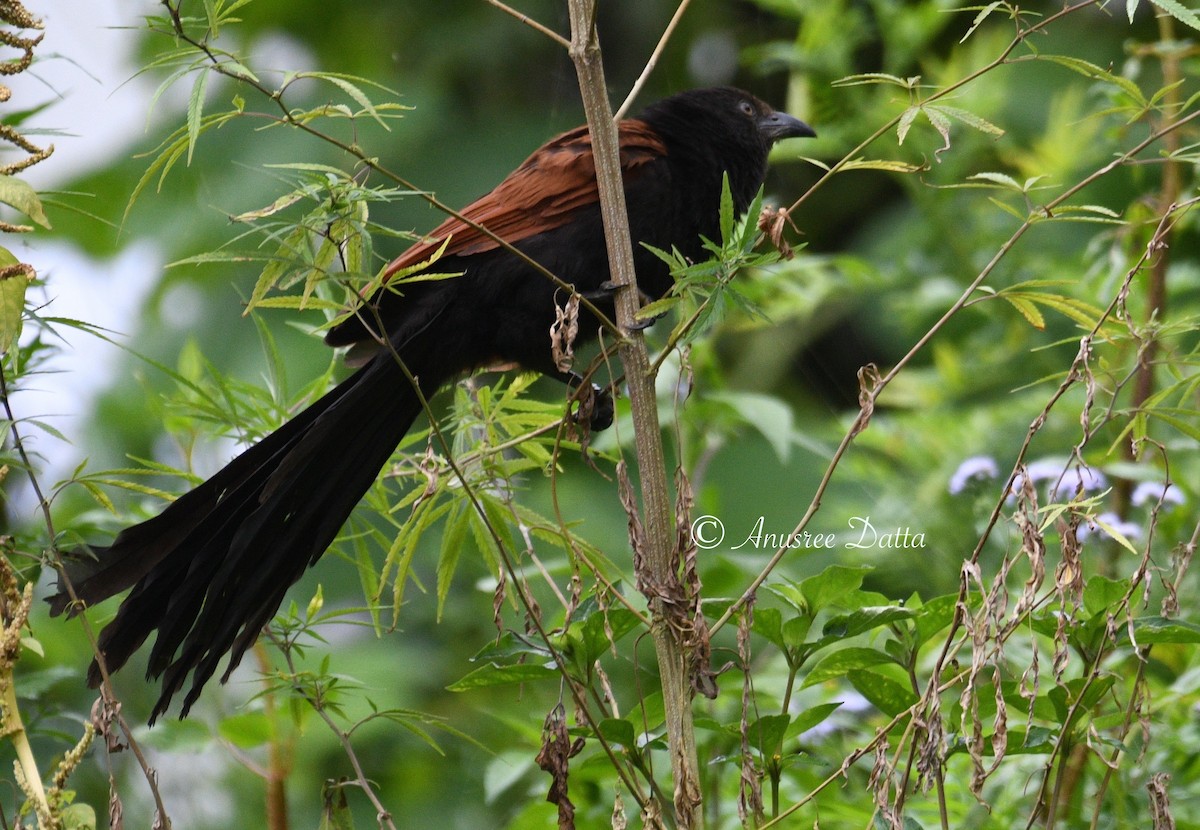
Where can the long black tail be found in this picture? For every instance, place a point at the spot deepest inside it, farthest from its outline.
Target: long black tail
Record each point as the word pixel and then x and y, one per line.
pixel 212 569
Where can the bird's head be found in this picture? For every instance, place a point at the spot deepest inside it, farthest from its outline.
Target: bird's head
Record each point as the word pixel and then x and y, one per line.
pixel 726 126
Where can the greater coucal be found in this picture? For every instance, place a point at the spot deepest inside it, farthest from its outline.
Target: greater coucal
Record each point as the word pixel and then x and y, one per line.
pixel 212 569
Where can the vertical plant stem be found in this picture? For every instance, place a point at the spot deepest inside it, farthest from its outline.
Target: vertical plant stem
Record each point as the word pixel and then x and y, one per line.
pixel 656 505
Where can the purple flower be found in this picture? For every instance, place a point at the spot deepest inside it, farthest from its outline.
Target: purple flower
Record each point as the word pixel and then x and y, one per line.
pixel 975 468
pixel 1154 491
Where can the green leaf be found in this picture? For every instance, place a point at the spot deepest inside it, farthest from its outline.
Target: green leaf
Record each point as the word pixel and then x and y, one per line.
pixel 831 584
pixel 933 616
pixel 195 111
pixel 811 717
pixel 766 734
pixel 492 675
pixel 1179 12
pixel 1096 73
pixel 1163 630
pixel 1029 310
pixel 1101 593
pixel 970 119
pixel 906 121
pixel 726 214
pixel 888 165
pixel 618 731
pixel 884 694
pixel 840 662
pixel 12 301
pixel 770 416
pixel 654 310
pixel 452 545
pixel 246 730
pixel 596 629
pixel 865 619
pixel 18 194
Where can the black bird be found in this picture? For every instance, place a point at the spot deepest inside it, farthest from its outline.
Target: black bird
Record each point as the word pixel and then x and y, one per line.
pixel 212 569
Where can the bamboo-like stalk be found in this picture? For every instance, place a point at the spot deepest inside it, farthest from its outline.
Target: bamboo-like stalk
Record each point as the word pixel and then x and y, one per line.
pixel 659 528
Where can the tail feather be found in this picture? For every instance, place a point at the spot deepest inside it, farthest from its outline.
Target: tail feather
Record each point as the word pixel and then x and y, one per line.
pixel 213 568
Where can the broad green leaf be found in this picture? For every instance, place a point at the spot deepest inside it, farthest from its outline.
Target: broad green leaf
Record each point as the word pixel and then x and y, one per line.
pixel 18 194
pixel 618 731
pixel 885 694
pixel 12 301
pixel 246 730
pixel 770 416
pixel 766 734
pixel 492 675
pixel 840 662
pixel 933 616
pixel 811 717
pixel 831 584
pixel 865 619
pixel 1163 630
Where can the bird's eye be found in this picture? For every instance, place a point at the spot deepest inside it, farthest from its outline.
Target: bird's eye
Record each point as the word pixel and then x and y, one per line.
pixel 747 108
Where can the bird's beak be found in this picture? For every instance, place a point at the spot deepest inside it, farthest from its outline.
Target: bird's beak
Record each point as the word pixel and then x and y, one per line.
pixel 777 125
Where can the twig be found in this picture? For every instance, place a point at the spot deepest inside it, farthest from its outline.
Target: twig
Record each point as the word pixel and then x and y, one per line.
pixel 652 61
pixel 529 21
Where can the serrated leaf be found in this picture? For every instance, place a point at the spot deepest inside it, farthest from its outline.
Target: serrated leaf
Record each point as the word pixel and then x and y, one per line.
pixel 887 165
pixel 195 111
pixel 1028 310
pixel 970 119
pixel 1096 73
pixel 876 78
pixel 1001 179
pixel 906 121
pixel 452 545
pixel 657 308
pixel 1179 12
pixel 980 17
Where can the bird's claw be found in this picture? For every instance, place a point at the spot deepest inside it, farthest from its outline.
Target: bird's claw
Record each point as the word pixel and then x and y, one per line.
pixel 596 408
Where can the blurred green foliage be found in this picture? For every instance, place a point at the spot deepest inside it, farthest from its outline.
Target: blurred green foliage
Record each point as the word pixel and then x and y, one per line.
pixel 1058 616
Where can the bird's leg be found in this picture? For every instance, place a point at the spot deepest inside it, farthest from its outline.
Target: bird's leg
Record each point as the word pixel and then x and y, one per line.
pixel 597 407
pixel 608 290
